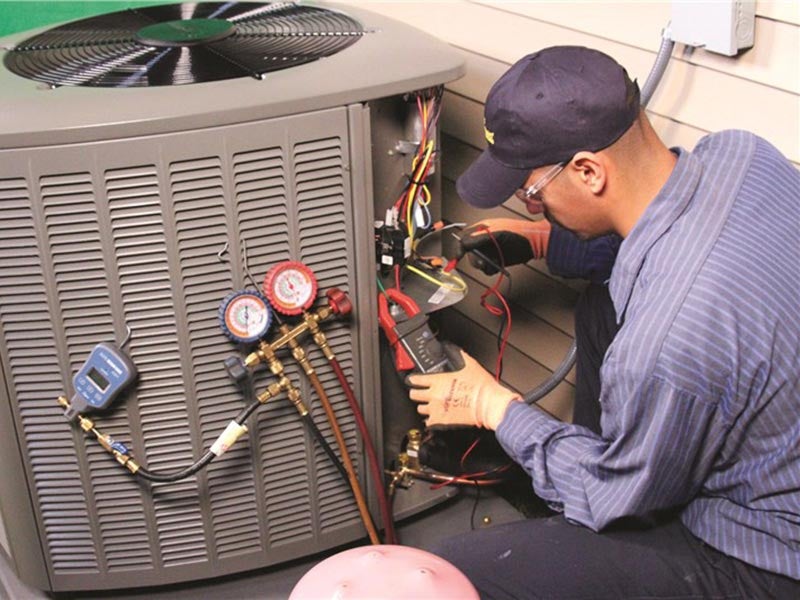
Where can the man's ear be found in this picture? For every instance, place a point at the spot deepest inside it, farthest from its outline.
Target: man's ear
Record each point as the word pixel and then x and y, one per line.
pixel 592 171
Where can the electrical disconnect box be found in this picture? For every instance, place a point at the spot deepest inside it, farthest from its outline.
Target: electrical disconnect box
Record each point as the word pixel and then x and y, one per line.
pixel 722 26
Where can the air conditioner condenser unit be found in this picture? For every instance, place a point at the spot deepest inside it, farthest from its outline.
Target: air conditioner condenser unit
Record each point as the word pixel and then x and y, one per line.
pixel 146 158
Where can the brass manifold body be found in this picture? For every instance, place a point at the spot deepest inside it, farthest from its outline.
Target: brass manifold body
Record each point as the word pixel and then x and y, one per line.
pixel 265 353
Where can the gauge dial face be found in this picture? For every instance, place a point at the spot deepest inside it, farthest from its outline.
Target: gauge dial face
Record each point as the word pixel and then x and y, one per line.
pixel 245 316
pixel 291 287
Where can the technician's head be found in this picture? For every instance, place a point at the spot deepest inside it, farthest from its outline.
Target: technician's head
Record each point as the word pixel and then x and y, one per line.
pixel 545 115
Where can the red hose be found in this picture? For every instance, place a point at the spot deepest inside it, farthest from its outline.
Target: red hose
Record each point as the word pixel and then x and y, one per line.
pixel 377 472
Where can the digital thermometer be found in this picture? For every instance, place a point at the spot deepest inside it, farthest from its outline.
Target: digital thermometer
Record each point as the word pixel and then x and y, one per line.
pixel 104 375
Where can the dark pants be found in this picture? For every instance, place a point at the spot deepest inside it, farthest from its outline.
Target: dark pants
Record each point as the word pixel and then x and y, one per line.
pixel 551 558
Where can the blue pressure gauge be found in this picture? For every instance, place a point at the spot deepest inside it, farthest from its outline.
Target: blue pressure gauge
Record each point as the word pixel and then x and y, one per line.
pixel 245 316
pixel 104 375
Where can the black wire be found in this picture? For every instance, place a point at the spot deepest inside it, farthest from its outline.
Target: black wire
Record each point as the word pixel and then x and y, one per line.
pixel 475 506
pixel 178 475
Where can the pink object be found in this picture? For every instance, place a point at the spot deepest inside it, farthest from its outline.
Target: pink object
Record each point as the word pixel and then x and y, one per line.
pixel 384 572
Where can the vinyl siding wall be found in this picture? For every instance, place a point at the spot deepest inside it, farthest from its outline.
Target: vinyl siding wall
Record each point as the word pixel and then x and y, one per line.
pixel 701 92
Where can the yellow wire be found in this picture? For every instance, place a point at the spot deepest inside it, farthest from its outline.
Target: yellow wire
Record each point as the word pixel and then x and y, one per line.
pixel 412 190
pixel 409 222
pixel 427 193
pixel 462 287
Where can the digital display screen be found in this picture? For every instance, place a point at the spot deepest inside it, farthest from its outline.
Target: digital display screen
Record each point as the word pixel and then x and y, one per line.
pixel 100 381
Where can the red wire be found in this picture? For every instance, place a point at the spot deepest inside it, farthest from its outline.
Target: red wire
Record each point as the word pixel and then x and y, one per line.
pixel 473 478
pixel 397 277
pixel 494 310
pixel 467 452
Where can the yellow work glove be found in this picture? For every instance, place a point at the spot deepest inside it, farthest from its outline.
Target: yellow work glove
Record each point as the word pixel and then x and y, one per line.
pixel 519 240
pixel 467 397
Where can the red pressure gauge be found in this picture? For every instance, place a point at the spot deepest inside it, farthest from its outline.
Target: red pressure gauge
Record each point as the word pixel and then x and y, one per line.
pixel 290 287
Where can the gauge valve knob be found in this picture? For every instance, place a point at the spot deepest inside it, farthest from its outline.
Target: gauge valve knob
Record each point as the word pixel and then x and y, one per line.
pixel 339 302
pixel 236 369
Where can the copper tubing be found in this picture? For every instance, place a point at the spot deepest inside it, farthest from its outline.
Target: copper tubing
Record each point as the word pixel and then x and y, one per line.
pixel 300 356
pixel 377 475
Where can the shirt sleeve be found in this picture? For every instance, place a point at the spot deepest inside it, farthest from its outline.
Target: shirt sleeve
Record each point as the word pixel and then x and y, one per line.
pixel 568 256
pixel 656 449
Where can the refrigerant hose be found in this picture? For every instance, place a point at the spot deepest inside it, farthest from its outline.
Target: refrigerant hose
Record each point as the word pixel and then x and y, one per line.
pixel 348 463
pixel 209 456
pixel 372 457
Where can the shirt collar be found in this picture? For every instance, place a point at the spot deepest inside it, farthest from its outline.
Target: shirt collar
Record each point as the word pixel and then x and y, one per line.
pixel 670 202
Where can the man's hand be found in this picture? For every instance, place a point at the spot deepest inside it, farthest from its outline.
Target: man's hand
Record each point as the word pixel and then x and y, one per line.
pixel 519 240
pixel 467 397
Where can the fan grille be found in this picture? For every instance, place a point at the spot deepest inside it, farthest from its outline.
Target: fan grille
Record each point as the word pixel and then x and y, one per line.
pixel 177 44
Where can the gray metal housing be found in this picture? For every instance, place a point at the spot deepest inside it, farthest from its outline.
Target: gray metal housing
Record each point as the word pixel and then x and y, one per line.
pixel 114 205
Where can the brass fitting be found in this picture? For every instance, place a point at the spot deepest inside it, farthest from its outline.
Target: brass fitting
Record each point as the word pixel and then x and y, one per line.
pixel 283 385
pixel 126 461
pixel 413 447
pixel 265 353
pixel 105 440
pixel 276 368
pixel 294 397
pixel 86 424
pixel 273 389
pixel 320 339
pixel 252 359
pixel 298 353
pixel 401 476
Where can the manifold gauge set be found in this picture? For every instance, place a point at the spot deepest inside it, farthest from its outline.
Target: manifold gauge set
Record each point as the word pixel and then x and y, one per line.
pixel 246 317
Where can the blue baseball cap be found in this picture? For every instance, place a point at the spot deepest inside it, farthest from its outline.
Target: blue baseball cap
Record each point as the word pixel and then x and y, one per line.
pixel 547 107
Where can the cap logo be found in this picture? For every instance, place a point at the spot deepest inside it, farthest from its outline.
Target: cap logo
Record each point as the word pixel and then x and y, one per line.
pixel 489 135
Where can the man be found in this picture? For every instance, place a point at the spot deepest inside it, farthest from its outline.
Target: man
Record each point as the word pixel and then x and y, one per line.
pixel 684 480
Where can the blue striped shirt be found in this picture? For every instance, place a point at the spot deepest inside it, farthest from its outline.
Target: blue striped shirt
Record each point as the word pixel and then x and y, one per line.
pixel 592 259
pixel 700 388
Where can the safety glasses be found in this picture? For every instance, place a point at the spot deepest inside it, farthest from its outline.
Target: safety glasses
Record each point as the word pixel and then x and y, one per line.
pixel 534 191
